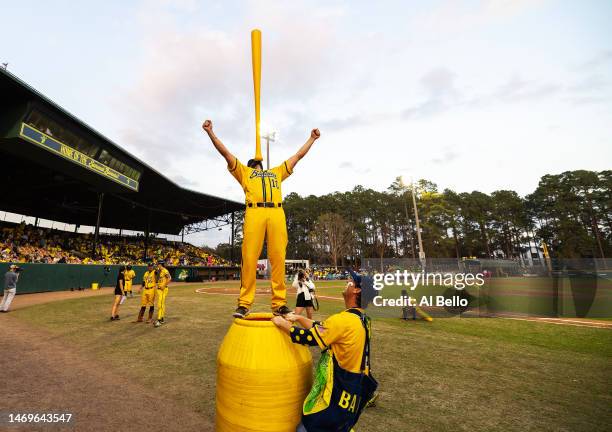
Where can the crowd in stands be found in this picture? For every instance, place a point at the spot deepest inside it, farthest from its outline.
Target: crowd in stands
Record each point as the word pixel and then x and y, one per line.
pixel 21 243
pixel 328 273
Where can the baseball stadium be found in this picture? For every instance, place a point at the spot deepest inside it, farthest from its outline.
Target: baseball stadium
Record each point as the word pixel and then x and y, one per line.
pixel 409 308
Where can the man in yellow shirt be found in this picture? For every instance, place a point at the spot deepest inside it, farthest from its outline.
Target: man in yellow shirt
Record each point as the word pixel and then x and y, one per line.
pixel 334 404
pixel 163 279
pixel 264 219
pixel 148 288
pixel 129 275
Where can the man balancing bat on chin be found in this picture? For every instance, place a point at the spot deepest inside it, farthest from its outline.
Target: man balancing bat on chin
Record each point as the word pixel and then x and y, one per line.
pixel 264 217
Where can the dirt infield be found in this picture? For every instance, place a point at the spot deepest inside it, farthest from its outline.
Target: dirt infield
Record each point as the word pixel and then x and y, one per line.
pixel 24 300
pixel 41 374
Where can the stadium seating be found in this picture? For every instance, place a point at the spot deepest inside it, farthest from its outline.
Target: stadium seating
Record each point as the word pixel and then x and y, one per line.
pixel 27 243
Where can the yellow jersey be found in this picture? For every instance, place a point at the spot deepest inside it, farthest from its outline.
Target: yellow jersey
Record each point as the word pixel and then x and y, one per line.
pixel 163 278
pixel 129 275
pixel 149 279
pixel 260 185
pixel 344 334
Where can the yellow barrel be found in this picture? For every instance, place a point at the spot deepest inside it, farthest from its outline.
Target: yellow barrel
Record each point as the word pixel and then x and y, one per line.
pixel 262 378
pixel 94 286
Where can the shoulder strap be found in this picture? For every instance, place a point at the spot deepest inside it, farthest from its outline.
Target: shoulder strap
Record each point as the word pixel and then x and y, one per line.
pixel 365 321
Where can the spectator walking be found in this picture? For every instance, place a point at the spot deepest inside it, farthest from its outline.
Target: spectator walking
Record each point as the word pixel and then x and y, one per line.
pixel 119 293
pixel 10 287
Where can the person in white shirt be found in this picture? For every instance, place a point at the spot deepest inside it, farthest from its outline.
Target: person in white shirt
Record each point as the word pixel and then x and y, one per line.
pixel 305 292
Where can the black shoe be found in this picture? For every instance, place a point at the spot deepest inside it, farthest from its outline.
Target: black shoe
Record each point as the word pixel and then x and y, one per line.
pixel 162 321
pixel 281 310
pixel 112 319
pixel 116 317
pixel 241 312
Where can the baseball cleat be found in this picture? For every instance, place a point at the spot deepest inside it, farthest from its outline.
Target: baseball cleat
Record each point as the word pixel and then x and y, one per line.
pixel 281 310
pixel 240 312
pixel 157 324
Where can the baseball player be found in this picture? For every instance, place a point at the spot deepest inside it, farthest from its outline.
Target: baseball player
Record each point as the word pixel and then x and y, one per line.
pixel 129 275
pixel 148 288
pixel 264 218
pixel 163 279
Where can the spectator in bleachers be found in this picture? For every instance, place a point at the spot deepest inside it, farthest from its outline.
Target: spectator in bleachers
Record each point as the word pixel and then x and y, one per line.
pixel 26 243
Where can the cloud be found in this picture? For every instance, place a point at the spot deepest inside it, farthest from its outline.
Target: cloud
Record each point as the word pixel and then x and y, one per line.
pixel 452 17
pixel 184 181
pixel 600 59
pixel 192 72
pixel 447 157
pixel 439 86
pixel 517 89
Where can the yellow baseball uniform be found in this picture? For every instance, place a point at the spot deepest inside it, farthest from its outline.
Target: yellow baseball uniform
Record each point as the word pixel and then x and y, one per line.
pixel 163 278
pixel 129 277
pixel 344 334
pixel 148 293
pixel 264 217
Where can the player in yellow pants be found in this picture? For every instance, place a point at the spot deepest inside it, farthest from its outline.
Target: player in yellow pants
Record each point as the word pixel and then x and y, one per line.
pixel 264 218
pixel 260 222
pixel 149 286
pixel 163 279
pixel 129 275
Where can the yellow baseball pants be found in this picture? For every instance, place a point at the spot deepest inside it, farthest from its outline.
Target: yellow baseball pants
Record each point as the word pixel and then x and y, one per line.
pixel 128 286
pixel 162 293
pixel 260 223
pixel 148 297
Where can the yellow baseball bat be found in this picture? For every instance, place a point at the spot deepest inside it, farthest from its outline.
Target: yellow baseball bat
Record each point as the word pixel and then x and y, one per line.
pixel 256 54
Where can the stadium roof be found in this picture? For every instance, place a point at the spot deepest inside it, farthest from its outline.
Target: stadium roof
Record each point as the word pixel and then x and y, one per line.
pixel 55 167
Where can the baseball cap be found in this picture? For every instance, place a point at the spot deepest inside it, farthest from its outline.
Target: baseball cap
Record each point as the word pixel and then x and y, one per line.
pixel 13 266
pixel 356 278
pixel 252 162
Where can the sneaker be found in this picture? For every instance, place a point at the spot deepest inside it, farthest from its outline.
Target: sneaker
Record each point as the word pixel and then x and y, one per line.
pixel 241 312
pixel 112 319
pixel 281 310
pixel 116 317
pixel 157 324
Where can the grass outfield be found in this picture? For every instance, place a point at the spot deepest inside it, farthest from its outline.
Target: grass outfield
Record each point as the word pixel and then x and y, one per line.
pixel 453 374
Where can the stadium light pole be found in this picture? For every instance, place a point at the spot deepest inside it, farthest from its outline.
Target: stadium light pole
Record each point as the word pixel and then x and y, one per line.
pixel 422 258
pixel 270 136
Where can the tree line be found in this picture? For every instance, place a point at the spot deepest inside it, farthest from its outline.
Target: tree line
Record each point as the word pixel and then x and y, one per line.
pixel 570 213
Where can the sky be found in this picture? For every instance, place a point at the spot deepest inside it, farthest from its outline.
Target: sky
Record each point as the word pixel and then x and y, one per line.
pixel 472 95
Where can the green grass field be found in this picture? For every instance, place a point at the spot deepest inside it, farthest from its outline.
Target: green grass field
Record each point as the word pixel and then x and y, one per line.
pixel 454 374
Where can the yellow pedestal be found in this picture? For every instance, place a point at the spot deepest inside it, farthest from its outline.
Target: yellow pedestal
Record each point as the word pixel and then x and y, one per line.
pixel 262 378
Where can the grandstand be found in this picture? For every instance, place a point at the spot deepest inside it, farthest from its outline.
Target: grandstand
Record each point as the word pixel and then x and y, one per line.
pixel 56 167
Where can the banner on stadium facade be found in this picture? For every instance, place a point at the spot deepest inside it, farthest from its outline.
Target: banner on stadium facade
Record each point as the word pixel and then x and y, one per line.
pixel 51 144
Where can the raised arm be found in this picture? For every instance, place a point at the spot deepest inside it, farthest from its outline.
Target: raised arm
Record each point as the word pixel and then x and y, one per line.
pixel 208 128
pixel 314 135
